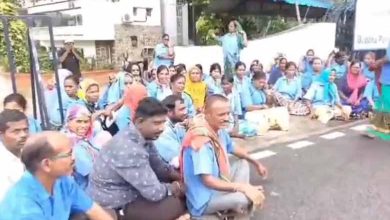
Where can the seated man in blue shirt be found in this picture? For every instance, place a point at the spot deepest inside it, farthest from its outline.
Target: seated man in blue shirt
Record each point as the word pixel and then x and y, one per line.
pixel 46 190
pixel 169 143
pixel 212 185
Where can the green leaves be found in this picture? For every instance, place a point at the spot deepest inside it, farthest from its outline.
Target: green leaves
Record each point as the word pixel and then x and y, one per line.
pixel 18 36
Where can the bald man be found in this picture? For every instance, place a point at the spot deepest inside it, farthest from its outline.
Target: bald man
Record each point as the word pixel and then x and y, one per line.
pixel 212 184
pixel 46 190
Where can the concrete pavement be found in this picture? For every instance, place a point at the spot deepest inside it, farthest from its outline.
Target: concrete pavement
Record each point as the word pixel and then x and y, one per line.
pixel 300 127
pixel 336 176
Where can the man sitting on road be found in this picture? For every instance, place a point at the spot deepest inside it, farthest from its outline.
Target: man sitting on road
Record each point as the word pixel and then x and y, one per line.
pixel 212 185
pixel 13 135
pixel 46 190
pixel 130 175
pixel 170 141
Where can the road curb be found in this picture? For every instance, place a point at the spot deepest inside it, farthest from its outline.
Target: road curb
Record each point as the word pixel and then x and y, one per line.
pixel 303 136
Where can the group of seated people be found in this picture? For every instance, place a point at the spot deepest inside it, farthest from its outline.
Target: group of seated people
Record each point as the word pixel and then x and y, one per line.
pixel 67 175
pixel 159 148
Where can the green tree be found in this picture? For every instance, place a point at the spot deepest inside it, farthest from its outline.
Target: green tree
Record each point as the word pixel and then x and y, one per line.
pixel 17 32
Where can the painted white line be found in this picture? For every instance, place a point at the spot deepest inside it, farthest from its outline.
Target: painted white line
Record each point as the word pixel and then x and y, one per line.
pixel 333 135
pixel 300 144
pixel 360 127
pixel 262 154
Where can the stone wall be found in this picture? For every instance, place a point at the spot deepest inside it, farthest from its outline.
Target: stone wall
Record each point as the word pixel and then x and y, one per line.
pixel 147 37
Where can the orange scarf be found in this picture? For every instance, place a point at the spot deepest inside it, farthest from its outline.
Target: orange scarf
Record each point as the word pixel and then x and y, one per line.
pixel 133 95
pixel 200 134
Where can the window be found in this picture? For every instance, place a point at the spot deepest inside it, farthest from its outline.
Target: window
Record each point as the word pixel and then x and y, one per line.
pixel 149 12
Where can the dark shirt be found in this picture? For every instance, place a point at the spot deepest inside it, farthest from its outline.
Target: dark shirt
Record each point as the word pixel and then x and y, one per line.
pixel 128 167
pixel 276 73
pixel 70 63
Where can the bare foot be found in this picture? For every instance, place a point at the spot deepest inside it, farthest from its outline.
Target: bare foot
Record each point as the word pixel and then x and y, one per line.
pixel 184 217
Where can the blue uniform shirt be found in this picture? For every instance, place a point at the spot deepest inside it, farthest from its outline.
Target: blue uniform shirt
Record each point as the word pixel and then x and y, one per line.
pixel 201 162
pixel 169 143
pixel 28 199
pixel 291 90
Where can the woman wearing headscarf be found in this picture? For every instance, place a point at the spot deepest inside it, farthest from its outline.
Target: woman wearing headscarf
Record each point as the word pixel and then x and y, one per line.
pixel 381 121
pixel 196 88
pixel 232 44
pixel 351 90
pixel 101 115
pixel 324 100
pixel 86 142
pixel 134 93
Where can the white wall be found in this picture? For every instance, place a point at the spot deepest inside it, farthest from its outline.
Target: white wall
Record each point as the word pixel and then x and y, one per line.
pixel 294 44
pixel 169 18
pixel 99 18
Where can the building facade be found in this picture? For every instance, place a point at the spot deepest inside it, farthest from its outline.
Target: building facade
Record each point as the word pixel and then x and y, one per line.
pixel 93 25
pixel 109 31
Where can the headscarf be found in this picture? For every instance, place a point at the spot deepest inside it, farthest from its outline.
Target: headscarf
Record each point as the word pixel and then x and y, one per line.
pixel 197 90
pixel 133 95
pixel 77 111
pixel 200 134
pixel 324 79
pixel 355 83
pixel 84 86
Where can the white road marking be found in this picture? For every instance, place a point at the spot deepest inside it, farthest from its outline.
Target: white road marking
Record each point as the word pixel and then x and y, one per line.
pixel 333 135
pixel 262 154
pixel 360 127
pixel 300 144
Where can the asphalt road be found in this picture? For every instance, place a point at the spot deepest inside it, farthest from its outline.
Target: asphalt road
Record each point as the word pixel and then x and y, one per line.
pixel 346 178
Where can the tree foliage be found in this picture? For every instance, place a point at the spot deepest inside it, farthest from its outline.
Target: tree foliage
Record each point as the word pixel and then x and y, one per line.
pixel 17 32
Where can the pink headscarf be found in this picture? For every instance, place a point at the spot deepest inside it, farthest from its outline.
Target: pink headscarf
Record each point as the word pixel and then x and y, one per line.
pixel 78 111
pixel 355 82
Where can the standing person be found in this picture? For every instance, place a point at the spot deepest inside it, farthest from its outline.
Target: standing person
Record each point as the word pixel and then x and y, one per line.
pixel 381 120
pixel 212 184
pixel 129 173
pixel 13 135
pixel 70 58
pixel 232 44
pixel 46 191
pixel 164 53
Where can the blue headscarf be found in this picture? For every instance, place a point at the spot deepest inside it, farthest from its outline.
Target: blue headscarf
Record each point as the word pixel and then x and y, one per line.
pixel 329 91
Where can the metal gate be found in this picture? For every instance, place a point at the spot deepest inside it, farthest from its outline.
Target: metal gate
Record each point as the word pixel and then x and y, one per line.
pixel 39 104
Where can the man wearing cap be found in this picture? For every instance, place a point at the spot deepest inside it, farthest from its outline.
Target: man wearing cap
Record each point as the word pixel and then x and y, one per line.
pixel 69 58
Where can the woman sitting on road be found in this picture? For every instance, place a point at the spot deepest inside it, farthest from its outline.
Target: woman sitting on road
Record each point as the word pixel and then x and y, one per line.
pixel 159 88
pixel 87 142
pixel 351 90
pixel 178 82
pixel 196 88
pixel 324 100
pixel 287 92
pixel 213 81
pixel 277 71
